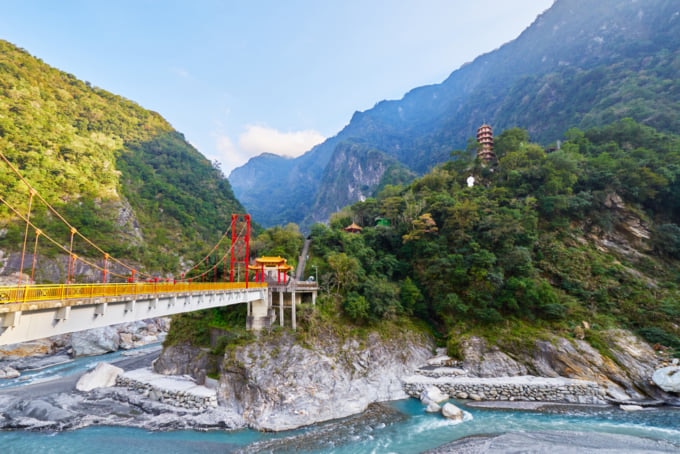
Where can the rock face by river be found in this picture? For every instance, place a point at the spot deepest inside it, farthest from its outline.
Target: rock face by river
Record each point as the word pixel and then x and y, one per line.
pixel 624 375
pixel 276 383
pixel 284 380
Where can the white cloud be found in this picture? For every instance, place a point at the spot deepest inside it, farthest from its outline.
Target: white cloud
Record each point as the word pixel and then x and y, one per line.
pixel 229 155
pixel 256 140
pixel 259 139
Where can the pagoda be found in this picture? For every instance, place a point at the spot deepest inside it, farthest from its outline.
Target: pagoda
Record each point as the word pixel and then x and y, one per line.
pixel 485 140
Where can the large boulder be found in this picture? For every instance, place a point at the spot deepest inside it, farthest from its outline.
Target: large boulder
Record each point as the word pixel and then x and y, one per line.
pixel 450 411
pixel 433 394
pixel 38 347
pixel 668 379
pixel 102 376
pixel 96 341
pixel 8 372
pixel 433 407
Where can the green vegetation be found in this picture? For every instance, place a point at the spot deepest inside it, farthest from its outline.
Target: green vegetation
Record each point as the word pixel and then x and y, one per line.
pixel 89 154
pixel 195 328
pixel 543 241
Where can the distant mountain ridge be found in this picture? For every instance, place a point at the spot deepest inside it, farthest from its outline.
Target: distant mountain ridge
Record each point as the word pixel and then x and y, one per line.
pixel 582 63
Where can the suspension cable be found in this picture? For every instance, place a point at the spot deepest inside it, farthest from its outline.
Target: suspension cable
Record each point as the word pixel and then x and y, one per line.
pixel 205 259
pixel 23 250
pixel 56 213
pixel 74 232
pixel 35 254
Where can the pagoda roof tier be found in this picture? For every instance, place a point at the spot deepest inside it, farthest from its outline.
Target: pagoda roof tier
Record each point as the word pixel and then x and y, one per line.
pixel 353 228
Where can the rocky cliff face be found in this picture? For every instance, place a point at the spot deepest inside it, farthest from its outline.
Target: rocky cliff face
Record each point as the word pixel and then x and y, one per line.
pixel 353 173
pixel 183 360
pixel 277 384
pixel 625 374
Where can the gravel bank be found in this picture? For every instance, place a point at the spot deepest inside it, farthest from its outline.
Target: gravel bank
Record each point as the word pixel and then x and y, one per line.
pixel 556 442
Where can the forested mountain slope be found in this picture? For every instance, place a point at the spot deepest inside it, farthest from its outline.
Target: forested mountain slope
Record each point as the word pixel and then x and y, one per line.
pixel 541 243
pixel 582 63
pixel 119 173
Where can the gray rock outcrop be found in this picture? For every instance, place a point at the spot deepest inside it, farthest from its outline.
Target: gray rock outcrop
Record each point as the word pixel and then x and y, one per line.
pixel 433 394
pixel 95 341
pixel 183 360
pixel 625 374
pixel 668 378
pixel 555 442
pixel 277 384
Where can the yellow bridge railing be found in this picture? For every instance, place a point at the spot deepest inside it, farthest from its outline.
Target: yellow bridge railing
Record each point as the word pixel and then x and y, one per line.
pixel 28 293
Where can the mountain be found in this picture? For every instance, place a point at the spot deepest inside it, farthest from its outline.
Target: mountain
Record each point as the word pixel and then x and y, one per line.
pixel 582 63
pixel 118 173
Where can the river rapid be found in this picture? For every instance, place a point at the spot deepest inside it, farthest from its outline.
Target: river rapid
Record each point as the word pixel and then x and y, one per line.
pixel 394 427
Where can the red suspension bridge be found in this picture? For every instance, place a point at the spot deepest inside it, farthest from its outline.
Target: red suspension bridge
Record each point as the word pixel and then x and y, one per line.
pixel 122 293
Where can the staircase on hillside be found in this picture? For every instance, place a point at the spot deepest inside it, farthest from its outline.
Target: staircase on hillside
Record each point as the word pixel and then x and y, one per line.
pixel 302 260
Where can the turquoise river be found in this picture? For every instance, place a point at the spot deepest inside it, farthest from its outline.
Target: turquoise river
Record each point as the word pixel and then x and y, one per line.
pixel 411 431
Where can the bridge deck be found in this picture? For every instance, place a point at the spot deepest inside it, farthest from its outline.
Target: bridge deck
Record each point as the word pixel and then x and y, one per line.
pixel 34 312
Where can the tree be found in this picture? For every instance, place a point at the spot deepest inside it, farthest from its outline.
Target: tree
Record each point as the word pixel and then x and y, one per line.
pixel 344 270
pixel 411 298
pixel 420 227
pixel 513 139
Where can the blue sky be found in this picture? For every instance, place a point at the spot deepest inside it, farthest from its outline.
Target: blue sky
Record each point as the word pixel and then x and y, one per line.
pixel 239 78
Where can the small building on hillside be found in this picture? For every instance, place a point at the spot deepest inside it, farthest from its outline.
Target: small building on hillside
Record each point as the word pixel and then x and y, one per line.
pixel 353 228
pixel 271 269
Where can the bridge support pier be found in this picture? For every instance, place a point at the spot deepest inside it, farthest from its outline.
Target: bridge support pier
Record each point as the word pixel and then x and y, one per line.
pixel 100 309
pixel 300 293
pixel 258 313
pixel 292 306
pixel 281 309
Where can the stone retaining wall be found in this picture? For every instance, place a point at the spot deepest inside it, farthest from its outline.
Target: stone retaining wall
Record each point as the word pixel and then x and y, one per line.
pixel 176 397
pixel 525 388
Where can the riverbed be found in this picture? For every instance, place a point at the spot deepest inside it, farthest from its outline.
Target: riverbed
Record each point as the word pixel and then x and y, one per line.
pixel 654 430
pixel 395 427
